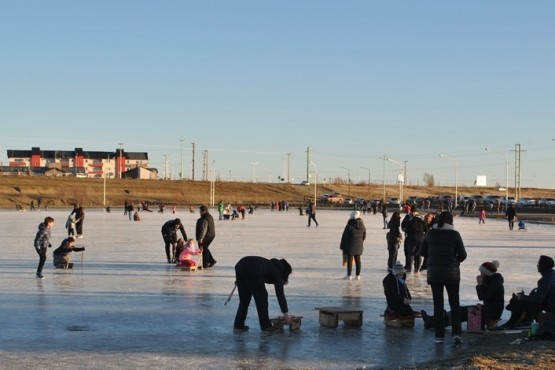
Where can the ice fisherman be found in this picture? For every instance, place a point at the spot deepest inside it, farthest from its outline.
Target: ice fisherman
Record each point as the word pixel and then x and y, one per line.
pixel 397 293
pixel 251 275
pixel 42 243
pixel 62 256
pixel 169 234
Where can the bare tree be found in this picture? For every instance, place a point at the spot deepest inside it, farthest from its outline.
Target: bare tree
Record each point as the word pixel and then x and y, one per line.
pixel 429 180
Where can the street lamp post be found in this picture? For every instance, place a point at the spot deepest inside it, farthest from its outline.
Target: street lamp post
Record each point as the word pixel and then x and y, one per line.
pixel 348 180
pixel 254 171
pixel 383 177
pixel 104 196
pixel 506 173
pixel 120 160
pixel 456 177
pixel 315 181
pixel 400 182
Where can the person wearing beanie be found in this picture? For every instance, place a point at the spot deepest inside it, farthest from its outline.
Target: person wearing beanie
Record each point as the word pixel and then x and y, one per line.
pixel 251 275
pixel 169 235
pixel 490 291
pixel 525 308
pixel 397 293
pixel 352 242
pixel 62 257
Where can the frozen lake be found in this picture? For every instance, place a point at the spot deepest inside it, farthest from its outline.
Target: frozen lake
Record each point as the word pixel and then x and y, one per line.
pixel 124 307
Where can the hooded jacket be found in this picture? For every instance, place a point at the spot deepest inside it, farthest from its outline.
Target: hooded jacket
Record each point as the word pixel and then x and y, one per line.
pixel 353 237
pixel 445 251
pixel 492 293
pixel 545 295
pixel 42 239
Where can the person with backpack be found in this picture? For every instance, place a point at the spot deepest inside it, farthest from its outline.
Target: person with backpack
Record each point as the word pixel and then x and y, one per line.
pixel 414 228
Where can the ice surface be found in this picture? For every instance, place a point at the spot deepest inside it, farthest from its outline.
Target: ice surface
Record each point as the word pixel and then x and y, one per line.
pixel 124 307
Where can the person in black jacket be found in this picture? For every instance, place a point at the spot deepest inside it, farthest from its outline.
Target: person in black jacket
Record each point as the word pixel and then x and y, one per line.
pixel 311 212
pixel 490 290
pixel 414 228
pixel 62 257
pixel 394 239
pixel 397 293
pixel 444 248
pixel 79 213
pixel 205 234
pixel 511 214
pixel 169 234
pixel 251 274
pixel 352 241
pixel 524 307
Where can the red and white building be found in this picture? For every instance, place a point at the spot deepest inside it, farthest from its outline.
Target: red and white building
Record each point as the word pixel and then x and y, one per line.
pixel 78 162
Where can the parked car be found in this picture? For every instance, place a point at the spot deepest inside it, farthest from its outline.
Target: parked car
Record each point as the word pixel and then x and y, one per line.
pixel 526 202
pixel 305 183
pixel 547 202
pixel 393 202
pixel 512 201
pixel 492 199
pixel 348 202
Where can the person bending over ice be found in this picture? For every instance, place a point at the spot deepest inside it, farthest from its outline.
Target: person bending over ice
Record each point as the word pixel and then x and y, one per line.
pixel 62 257
pixel 251 274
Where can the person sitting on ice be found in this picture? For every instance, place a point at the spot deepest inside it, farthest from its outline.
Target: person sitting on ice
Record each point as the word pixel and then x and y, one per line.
pixel 521 225
pixel 490 290
pixel 186 256
pixel 62 257
pixel 525 308
pixel 397 293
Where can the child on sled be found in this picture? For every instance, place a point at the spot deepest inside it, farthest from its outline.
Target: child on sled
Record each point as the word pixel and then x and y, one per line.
pixel 185 259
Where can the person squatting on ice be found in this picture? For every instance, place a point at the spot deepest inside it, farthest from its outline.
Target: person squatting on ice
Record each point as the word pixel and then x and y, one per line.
pixel 397 293
pixel 490 290
pixel 42 243
pixel 169 234
pixel 352 241
pixel 62 257
pixel 205 235
pixel 251 274
pixel 444 248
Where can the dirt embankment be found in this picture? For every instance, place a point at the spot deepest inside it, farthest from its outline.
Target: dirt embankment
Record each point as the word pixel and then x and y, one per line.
pixel 91 192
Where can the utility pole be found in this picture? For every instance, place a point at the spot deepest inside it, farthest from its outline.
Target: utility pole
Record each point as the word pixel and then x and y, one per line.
pixel 165 166
pixel 205 165
pixel 383 178
pixel 405 172
pixel 193 164
pixel 308 161
pixel 518 152
pixel 181 172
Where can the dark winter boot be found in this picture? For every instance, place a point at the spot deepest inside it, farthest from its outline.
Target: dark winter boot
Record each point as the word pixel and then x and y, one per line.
pixel 428 320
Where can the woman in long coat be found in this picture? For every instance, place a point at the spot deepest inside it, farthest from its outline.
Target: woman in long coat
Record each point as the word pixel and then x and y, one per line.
pixel 352 243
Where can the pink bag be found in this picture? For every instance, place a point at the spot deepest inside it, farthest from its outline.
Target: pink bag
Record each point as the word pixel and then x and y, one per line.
pixel 475 323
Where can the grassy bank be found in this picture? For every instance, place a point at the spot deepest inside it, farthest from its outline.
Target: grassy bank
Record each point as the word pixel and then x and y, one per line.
pixel 58 192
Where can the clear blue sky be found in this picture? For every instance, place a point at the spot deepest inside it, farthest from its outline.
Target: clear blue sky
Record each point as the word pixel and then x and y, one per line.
pixel 250 81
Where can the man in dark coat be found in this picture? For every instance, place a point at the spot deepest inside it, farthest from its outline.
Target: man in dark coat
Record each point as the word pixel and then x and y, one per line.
pixel 415 228
pixel 79 213
pixel 523 307
pixel 205 234
pixel 352 241
pixel 511 214
pixel 251 274
pixel 169 234
pixel 311 212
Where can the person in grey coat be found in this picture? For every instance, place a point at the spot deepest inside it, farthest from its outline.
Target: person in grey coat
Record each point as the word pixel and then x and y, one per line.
pixel 444 248
pixel 352 243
